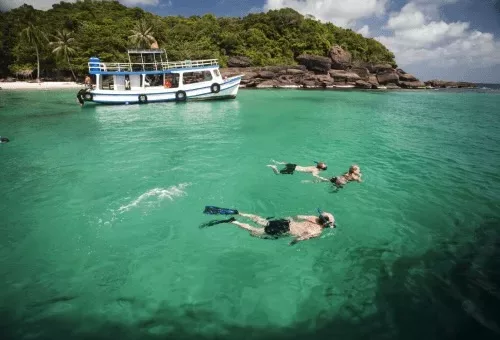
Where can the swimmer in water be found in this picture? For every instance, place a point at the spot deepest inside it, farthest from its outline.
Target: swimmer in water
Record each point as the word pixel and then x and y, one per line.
pixel 302 227
pixel 353 175
pixel 290 168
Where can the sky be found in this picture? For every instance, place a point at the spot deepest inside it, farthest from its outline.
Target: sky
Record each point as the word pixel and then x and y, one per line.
pixel 455 40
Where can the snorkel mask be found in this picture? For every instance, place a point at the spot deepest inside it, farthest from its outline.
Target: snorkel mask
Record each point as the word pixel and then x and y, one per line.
pixel 325 221
pixel 326 167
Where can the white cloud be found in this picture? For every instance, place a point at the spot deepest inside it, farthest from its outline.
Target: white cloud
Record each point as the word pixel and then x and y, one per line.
pixel 342 13
pixel 47 4
pixel 364 31
pixel 408 17
pixel 38 4
pixel 416 38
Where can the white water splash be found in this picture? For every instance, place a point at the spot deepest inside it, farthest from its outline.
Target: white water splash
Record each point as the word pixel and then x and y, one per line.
pixel 157 194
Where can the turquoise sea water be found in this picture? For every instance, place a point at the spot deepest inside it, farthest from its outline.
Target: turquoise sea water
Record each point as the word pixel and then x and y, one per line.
pixel 102 206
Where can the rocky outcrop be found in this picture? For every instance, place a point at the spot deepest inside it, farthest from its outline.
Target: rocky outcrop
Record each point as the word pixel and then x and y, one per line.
pixel 336 70
pixel 389 76
pixel 340 59
pixel 239 61
pixel 412 84
pixel 448 84
pixel 315 63
pixel 363 84
pixel 344 76
pixel 362 72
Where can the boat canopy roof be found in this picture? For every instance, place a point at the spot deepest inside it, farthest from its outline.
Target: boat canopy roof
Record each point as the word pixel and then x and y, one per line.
pixel 146 51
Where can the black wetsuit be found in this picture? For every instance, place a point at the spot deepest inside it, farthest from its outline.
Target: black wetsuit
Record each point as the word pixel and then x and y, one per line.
pixel 289 169
pixel 277 228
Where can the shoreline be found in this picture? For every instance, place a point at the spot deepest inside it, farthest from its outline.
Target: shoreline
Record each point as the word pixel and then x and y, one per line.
pixel 49 85
pixel 59 85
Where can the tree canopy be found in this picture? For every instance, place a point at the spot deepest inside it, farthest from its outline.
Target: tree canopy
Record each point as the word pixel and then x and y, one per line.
pixel 107 29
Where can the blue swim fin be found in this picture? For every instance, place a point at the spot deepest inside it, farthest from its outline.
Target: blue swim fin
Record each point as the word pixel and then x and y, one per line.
pixel 219 211
pixel 215 222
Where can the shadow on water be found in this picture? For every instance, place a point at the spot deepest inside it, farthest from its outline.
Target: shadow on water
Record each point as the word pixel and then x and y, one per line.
pixel 449 292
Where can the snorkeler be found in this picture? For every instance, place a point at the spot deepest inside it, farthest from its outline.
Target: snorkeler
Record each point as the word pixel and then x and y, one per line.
pixel 353 175
pixel 303 227
pixel 289 168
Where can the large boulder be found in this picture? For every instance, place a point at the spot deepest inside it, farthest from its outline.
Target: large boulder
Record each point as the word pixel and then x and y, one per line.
pixel 266 74
pixel 324 80
pixel 392 86
pixel 362 72
pixel 249 75
pixel 294 71
pixel 315 63
pixel 239 61
pixel 363 84
pixel 340 75
pixel 388 77
pixel 411 84
pixel 309 84
pixel 372 79
pixel 379 68
pixel 341 59
pixel 406 77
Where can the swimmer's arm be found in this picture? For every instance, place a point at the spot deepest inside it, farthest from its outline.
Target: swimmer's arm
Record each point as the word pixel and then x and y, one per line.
pixel 322 179
pixel 306 218
pixel 303 237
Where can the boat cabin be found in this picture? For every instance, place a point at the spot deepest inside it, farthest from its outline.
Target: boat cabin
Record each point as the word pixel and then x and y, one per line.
pixel 150 70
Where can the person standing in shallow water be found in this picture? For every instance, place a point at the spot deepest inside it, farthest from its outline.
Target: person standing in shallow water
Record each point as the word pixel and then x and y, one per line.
pixel 290 168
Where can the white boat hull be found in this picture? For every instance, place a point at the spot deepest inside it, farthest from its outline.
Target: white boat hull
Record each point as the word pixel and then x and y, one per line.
pixel 228 90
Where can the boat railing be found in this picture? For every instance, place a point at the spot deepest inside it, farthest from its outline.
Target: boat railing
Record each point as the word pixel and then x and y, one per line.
pixel 158 66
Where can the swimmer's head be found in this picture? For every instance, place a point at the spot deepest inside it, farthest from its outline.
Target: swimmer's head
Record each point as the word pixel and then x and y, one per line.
pixel 354 169
pixel 326 219
pixel 321 166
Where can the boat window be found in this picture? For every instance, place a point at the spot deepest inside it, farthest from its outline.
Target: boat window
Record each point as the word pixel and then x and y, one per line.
pixel 196 77
pixel 217 73
pixel 107 82
pixel 171 80
pixel 154 80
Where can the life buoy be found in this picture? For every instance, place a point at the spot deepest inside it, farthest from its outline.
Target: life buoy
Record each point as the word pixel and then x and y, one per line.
pixel 88 96
pixel 215 88
pixel 143 98
pixel 180 96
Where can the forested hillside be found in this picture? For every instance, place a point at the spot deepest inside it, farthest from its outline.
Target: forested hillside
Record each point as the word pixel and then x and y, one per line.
pixel 63 38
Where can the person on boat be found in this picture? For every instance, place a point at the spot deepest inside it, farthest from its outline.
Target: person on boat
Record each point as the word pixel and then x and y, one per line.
pixel 127 82
pixel 353 175
pixel 302 227
pixel 168 83
pixel 88 82
pixel 290 168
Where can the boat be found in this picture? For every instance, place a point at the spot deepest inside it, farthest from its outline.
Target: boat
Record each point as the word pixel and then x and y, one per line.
pixel 149 77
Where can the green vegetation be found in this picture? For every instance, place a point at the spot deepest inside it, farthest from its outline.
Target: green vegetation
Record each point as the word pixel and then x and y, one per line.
pixel 60 41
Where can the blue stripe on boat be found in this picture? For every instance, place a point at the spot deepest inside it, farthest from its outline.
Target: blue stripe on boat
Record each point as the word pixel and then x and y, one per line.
pixel 173 92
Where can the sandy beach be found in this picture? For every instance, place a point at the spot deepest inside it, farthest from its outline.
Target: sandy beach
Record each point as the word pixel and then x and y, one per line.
pixel 50 85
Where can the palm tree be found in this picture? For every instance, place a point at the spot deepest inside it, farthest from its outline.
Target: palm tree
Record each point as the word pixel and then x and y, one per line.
pixel 143 35
pixel 34 36
pixel 62 46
